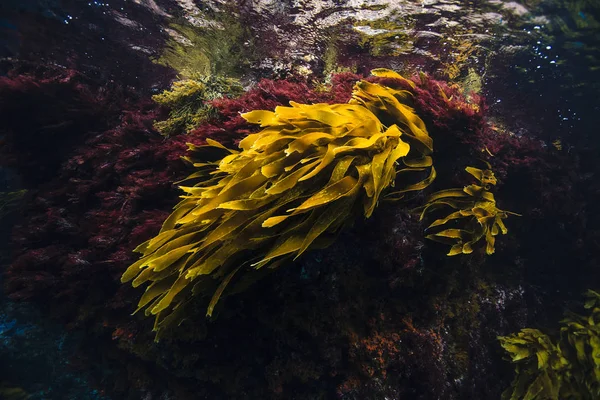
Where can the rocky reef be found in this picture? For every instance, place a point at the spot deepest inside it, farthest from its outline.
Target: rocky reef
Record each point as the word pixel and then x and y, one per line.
pixel 92 157
pixel 382 312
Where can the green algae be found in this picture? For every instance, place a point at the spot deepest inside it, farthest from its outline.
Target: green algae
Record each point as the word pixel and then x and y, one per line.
pixel 385 37
pixel 553 368
pixel 471 84
pixel 189 102
pixel 222 46
pixel 332 63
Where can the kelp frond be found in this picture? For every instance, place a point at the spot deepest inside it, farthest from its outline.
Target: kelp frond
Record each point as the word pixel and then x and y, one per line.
pixel 539 365
pixel 475 218
pixel 291 187
pixel 569 369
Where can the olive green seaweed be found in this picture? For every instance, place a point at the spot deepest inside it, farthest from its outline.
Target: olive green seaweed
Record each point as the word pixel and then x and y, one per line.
pixel 566 369
pixel 290 188
pixel 189 102
pixel 222 46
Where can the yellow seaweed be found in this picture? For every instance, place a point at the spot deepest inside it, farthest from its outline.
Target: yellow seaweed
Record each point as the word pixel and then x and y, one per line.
pixel 476 217
pixel 291 187
pixel 566 366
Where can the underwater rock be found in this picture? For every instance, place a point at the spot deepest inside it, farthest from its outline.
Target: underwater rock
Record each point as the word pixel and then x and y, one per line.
pixel 37 357
pixel 379 313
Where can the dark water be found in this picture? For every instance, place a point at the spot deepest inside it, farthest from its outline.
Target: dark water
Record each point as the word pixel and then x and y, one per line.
pixel 77 74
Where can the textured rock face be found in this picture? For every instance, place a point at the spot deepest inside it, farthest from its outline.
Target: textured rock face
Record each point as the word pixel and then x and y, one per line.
pixel 292 35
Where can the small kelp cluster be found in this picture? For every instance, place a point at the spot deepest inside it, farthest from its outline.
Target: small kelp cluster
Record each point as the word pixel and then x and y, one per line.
pixel 292 187
pixel 568 368
pixel 476 216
